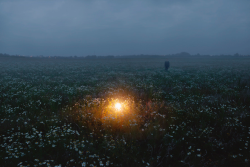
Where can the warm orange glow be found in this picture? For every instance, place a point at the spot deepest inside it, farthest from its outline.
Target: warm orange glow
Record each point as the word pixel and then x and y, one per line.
pixel 118 106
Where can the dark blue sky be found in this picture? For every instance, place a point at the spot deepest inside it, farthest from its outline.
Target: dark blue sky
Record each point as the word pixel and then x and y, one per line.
pixel 83 27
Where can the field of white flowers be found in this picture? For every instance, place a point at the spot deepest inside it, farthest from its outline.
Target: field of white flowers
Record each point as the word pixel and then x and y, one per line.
pixel 61 112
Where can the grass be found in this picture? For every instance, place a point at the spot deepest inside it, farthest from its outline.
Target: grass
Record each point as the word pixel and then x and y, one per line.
pixel 60 112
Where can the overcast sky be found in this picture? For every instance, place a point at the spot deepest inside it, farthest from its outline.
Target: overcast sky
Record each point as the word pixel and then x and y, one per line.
pixel 122 27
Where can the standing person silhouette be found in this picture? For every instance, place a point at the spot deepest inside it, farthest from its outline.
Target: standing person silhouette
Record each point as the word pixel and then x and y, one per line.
pixel 167 64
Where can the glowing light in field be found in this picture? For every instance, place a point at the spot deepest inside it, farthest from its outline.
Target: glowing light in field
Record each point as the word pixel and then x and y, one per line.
pixel 118 106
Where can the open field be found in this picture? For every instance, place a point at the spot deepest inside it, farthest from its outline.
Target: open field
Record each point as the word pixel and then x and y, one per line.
pixel 61 112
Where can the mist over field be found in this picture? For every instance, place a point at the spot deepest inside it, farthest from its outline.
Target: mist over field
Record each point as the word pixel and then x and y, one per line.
pixel 124 83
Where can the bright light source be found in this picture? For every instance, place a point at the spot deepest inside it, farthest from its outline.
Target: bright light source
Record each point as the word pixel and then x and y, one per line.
pixel 118 106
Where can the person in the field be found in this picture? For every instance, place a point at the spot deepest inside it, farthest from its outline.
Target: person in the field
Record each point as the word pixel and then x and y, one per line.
pixel 167 64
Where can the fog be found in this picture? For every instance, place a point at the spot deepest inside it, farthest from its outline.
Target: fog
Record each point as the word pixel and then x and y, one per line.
pixel 98 27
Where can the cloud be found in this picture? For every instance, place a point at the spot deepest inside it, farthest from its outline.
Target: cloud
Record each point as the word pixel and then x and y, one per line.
pixel 124 27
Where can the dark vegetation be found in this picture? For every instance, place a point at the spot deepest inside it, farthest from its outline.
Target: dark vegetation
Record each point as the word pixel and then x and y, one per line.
pixel 61 112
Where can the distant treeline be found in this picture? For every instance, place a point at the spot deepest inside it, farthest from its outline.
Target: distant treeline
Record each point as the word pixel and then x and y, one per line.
pixel 182 54
pixel 14 56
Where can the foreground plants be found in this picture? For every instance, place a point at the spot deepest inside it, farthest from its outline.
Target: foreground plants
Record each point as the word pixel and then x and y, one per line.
pixel 60 113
